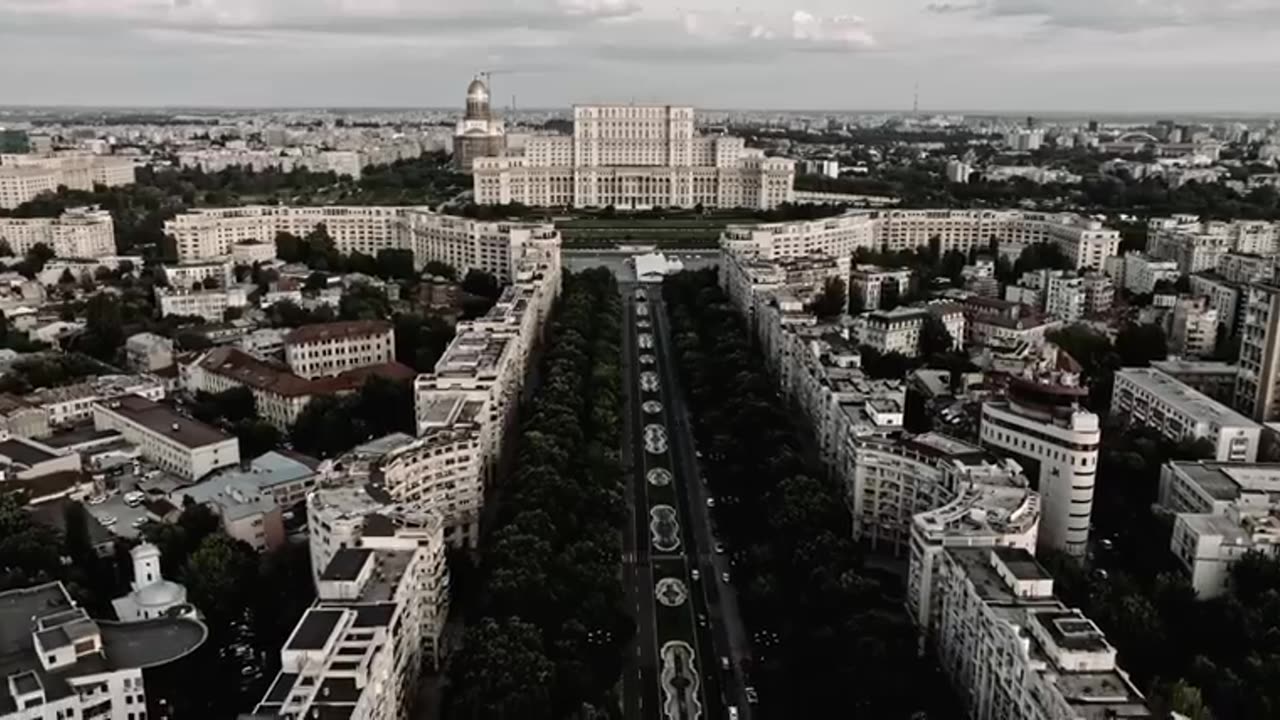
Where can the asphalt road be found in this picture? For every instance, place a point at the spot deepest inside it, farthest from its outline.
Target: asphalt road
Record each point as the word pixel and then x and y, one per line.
pixel 669 538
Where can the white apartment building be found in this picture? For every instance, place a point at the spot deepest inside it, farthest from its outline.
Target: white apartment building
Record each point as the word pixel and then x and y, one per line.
pixel 1151 398
pixel 444 469
pixel 77 233
pixel 23 177
pixel 1197 246
pixel 1082 240
pixel 959 171
pixel 1226 297
pixel 313 351
pixel 1258 384
pixel 1013 650
pixel 990 505
pixel 1235 267
pixel 1141 272
pixel 633 157
pixel 247 234
pixel 191 276
pixel 339 162
pixel 61 664
pixel 1223 511
pixel 1070 297
pixel 752 282
pixel 211 305
pixel 185 447
pixel 1041 425
pixel 148 352
pixel 899 330
pixel 1023 140
pixel 890 482
pixel 73 404
pixel 359 651
pixel 867 282
pixel 1192 327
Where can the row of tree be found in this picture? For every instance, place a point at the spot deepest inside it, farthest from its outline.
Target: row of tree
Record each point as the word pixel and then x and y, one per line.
pixel 827 633
pixel 545 638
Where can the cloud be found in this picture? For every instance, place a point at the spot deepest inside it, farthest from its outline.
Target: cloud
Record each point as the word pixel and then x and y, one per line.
pixel 1121 16
pixel 949 8
pixel 802 31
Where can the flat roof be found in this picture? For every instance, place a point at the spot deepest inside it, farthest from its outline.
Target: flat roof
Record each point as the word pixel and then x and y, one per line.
pixel 315 629
pixel 1190 401
pixel 23 452
pixel 1022 564
pixel 163 420
pixel 346 564
pixel 1071 630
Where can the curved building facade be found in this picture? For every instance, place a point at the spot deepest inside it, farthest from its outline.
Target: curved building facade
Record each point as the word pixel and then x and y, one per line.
pixel 1043 426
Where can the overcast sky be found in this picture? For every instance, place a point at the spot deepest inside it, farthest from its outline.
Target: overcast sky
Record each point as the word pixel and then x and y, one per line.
pixel 1035 55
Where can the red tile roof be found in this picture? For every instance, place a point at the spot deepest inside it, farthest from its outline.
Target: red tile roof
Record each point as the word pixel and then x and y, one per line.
pixel 337 330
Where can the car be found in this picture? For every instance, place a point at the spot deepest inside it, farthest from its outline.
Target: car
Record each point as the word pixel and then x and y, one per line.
pixel 107 520
pixel 751 695
pixel 134 499
pixel 702 620
pixel 1106 544
pixel 719 548
pixel 724 663
pixel 97 499
pixel 695 574
pixel 724 577
pixel 733 712
pixel 698 453
pixel 711 502
pixel 139 522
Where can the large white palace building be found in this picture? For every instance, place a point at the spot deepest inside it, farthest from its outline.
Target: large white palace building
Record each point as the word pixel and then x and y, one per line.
pixel 633 157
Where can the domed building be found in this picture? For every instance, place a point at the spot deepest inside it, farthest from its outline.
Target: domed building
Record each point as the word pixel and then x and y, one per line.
pixel 478 134
pixel 152 595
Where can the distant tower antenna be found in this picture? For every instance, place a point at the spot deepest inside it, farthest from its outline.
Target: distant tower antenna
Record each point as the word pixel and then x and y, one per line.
pixel 915 99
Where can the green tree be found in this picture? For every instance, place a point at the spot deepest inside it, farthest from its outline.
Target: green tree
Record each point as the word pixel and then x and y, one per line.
pixel 503 672
pixel 396 264
pixel 435 268
pixel 257 437
pixel 481 283
pixel 935 339
pixel 831 301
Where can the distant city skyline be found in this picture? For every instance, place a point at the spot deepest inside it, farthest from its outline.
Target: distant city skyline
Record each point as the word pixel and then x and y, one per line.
pixel 995 56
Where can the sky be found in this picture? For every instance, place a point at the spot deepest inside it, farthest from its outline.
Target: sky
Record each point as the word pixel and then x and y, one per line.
pixel 1215 56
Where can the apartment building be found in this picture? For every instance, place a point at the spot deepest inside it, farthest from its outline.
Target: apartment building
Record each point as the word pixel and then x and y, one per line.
pixel 1197 246
pixel 444 469
pixel 1236 267
pixel 1142 272
pixel 23 177
pixel 359 651
pixel 185 447
pixel 20 418
pixel 247 234
pixel 1227 297
pixel 1150 398
pixel 212 305
pixel 60 663
pixel 73 404
pixel 888 482
pixel 868 281
pixel 326 349
pixel 633 157
pixel 1258 382
pixel 1041 424
pixel 192 276
pixel 1212 377
pixel 1011 649
pixel 1070 297
pixel 1222 511
pixel 77 233
pixel 1192 327
pixel 899 330
pixel 148 352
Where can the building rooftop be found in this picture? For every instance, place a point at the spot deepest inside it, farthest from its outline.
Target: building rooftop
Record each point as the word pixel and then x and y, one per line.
pixel 346 564
pixel 314 630
pixel 1191 402
pixel 162 420
pixel 47 613
pixel 255 373
pixel 325 332
pixel 1182 366
pixel 1022 564
pixel 24 452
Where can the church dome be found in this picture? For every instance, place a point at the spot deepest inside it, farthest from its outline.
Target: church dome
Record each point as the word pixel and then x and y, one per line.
pixel 478 91
pixel 160 595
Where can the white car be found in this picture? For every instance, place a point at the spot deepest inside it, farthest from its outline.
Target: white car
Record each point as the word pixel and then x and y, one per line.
pixel 711 502
pixel 724 577
pixel 139 522
pixel 97 499
pixel 107 520
pixel 695 574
